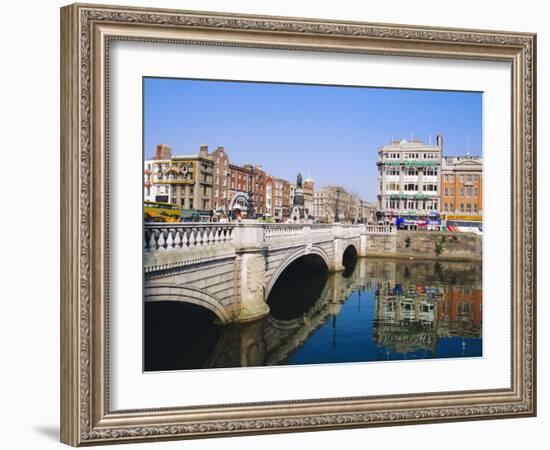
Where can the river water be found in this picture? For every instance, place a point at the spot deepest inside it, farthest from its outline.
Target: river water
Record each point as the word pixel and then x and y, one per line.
pixel 376 310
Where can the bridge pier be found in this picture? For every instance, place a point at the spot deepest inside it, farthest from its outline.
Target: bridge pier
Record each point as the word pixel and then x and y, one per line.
pixel 250 251
pixel 250 264
pixel 339 248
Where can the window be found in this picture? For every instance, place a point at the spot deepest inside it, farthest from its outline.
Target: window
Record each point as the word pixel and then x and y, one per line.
pixel 468 207
pixel 475 192
pixel 476 178
pixel 468 178
pixel 452 192
pixel 462 178
pixel 462 207
pixel 468 192
pixel 446 192
pixel 475 207
pixel 446 179
pixel 462 192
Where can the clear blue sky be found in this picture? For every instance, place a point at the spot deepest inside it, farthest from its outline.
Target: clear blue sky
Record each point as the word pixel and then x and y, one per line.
pixel 333 132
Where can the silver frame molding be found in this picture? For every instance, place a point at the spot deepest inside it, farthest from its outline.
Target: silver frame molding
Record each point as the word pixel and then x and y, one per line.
pixel 86 32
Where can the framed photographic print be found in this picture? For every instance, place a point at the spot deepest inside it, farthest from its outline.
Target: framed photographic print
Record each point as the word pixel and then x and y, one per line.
pixel 276 224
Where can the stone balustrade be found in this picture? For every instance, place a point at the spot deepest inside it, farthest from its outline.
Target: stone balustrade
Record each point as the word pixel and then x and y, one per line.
pixel 281 230
pixel 186 236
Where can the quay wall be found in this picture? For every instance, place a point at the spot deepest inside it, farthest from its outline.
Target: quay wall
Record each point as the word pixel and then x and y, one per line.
pixel 429 245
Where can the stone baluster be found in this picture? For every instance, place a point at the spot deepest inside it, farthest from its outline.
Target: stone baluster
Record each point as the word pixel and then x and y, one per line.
pixel 169 239
pixel 186 240
pixel 192 237
pixel 177 238
pixel 161 240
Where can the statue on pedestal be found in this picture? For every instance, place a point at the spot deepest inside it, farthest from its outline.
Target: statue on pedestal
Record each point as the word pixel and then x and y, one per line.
pixel 298 212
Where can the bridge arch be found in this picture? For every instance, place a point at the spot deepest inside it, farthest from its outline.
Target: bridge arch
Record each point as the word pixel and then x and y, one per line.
pixel 350 251
pixel 304 251
pixel 171 292
pixel 349 259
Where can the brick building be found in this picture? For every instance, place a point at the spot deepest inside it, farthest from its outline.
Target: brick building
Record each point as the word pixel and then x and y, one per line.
pixel 462 190
pixel 209 182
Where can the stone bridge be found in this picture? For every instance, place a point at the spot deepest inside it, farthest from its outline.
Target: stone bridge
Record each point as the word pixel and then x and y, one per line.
pixel 230 268
pixel 272 341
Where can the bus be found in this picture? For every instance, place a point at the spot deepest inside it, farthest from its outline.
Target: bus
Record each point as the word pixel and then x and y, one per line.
pixel 161 212
pixel 168 212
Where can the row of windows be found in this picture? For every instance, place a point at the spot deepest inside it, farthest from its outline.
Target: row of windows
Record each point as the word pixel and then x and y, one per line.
pixel 451 178
pixel 412 171
pixel 425 205
pixel 428 187
pixel 464 192
pixel 410 155
pixel 468 207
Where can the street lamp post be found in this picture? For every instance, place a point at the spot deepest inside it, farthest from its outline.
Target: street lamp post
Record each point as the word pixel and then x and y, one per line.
pixel 336 216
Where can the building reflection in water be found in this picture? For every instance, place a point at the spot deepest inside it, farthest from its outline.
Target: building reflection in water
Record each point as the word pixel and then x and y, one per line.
pixel 377 309
pixel 412 317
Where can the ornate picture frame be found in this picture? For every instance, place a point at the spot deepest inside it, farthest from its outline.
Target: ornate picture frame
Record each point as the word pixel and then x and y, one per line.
pixel 87 32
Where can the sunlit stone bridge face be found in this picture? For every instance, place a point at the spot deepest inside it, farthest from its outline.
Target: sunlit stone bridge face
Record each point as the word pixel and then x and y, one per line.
pixel 231 268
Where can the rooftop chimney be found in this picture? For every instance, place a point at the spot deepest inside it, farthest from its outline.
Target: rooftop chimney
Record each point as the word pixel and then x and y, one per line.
pixel 203 152
pixel 439 141
pixel 163 151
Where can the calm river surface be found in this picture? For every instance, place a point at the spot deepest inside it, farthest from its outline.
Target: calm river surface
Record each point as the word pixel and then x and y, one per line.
pixel 377 310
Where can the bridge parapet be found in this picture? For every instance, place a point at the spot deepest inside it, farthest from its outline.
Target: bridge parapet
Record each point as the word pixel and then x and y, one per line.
pixel 186 236
pixel 160 237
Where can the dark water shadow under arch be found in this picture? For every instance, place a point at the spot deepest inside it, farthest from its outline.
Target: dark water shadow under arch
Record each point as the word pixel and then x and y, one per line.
pixel 171 333
pixel 298 287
